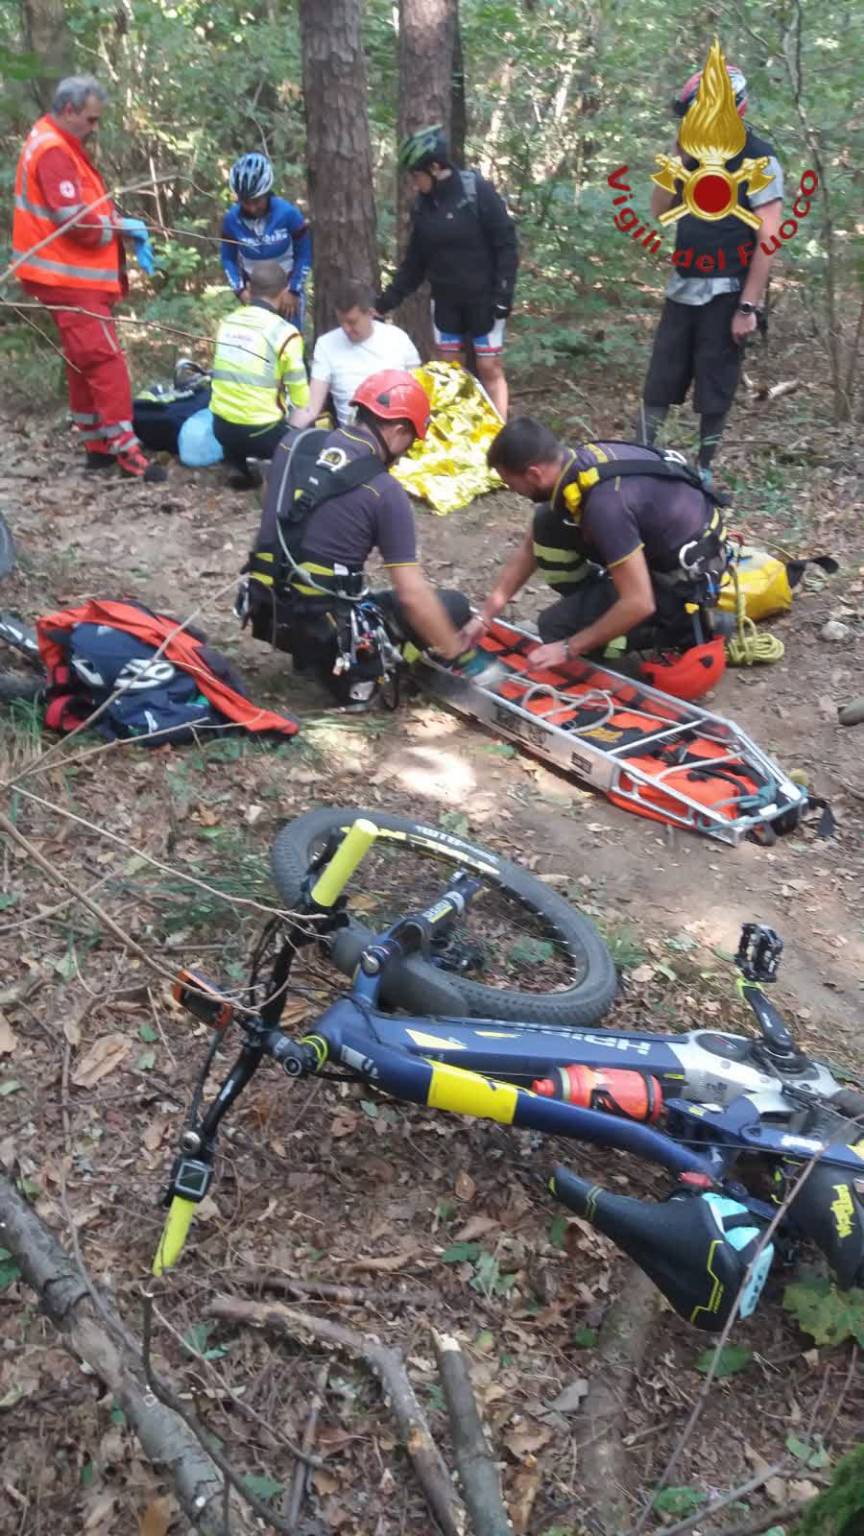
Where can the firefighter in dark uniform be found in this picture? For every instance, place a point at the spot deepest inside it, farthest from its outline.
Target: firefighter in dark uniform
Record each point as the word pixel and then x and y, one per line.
pixel 325 510
pixel 631 554
pixel 715 297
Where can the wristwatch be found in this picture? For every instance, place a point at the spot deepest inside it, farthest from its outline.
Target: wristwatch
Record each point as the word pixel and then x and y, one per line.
pixel 746 308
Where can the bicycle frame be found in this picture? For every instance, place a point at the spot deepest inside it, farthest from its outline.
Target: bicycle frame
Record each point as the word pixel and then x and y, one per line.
pixel 724 1095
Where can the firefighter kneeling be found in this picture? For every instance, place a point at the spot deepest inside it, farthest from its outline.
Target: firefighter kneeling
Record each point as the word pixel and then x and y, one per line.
pixel 329 502
pixel 633 546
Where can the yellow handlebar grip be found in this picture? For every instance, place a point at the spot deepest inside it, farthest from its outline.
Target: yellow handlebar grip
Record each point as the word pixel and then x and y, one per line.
pixel 174 1234
pixel 354 846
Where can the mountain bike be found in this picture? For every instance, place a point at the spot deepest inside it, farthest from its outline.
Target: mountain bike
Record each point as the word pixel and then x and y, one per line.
pixel 734 1120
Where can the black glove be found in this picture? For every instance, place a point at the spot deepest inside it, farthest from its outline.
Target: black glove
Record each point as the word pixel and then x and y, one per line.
pixel 382 306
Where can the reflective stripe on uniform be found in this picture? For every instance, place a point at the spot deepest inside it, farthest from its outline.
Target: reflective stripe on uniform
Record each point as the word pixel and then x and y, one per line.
pixel 56 215
pixel 93 274
pixel 247 367
pixel 67 263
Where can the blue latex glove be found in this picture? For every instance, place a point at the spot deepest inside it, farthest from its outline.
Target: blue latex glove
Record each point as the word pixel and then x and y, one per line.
pixel 144 255
pixel 479 666
pixel 136 229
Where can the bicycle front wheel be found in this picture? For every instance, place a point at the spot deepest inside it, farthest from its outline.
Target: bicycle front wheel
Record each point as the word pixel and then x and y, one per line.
pixel 540 960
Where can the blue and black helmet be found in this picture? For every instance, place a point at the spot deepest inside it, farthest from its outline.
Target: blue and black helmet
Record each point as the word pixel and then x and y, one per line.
pixel 251 177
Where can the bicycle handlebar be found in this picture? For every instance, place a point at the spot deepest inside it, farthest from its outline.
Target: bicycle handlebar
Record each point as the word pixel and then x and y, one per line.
pixel 348 856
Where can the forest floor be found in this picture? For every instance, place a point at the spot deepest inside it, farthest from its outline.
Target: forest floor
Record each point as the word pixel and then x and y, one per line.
pixel 334 1188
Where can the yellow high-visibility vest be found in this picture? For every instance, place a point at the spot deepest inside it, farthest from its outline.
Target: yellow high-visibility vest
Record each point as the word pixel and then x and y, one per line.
pixel 258 359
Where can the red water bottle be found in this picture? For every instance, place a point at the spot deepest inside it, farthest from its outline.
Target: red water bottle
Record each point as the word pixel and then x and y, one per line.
pixel 615 1090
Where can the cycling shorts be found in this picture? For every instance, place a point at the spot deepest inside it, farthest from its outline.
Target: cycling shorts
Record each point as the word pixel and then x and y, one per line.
pixel 455 323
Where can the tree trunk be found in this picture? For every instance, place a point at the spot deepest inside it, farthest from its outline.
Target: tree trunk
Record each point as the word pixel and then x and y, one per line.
pixel 458 104
pixel 47 35
pixel 427 39
pixel 339 155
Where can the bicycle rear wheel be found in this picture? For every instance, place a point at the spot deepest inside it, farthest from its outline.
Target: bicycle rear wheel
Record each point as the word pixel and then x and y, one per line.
pixel 555 946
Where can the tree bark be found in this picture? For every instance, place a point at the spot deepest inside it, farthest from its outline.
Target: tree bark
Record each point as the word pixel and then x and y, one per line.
pixel 427 43
pixel 458 102
pixel 339 154
pixel 47 35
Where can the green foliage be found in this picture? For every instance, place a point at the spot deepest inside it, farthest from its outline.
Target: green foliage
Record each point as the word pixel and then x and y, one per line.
pixel 679 1502
pixel 528 951
pixel 9 1270
pixel 262 1486
pixel 812 1454
pixel 839 1511
pixel 195 1342
pixel 730 1359
pixel 829 1315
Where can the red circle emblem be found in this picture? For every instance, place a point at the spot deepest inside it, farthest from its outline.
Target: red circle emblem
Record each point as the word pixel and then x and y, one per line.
pixel 712 194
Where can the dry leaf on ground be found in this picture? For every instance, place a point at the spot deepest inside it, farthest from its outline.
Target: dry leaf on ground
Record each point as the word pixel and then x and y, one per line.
pixel 157 1517
pixel 104 1056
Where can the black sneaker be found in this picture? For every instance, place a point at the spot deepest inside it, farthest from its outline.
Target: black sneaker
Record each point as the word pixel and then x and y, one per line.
pixel 98 462
pixel 245 480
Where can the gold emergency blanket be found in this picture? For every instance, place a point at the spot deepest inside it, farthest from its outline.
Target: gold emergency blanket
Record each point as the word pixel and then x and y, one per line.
pixel 448 469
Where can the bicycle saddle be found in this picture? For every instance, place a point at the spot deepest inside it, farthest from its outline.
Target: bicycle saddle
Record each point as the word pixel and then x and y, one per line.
pixel 696 1248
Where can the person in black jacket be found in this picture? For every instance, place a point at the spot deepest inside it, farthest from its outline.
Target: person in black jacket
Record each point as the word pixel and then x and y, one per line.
pixel 716 294
pixel 464 241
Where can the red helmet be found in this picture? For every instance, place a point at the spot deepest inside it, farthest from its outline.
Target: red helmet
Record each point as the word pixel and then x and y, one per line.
pixel 394 395
pixel 687 94
pixel 687 675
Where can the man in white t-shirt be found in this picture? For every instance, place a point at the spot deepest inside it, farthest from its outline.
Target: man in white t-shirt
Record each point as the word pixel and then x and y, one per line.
pixel 359 347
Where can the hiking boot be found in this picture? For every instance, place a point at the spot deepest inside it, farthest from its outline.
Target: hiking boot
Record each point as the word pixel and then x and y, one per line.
pixel 248 479
pixel 135 466
pixel 97 462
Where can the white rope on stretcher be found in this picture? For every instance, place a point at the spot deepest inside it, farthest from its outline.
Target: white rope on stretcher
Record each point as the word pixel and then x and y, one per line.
pixel 593 699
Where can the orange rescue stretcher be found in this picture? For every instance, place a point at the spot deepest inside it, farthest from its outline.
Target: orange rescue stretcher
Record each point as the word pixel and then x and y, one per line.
pixel 659 756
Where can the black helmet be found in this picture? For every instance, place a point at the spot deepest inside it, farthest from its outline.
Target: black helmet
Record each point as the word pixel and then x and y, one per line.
pixel 251 176
pixel 420 149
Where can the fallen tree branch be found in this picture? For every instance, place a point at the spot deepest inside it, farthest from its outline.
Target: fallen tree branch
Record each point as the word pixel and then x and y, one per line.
pixel 64 1292
pixel 326 1290
pixel 481 1483
pixel 301 1471
pixel 170 1400
pixel 388 1365
pixel 624 1338
pixel 763 1522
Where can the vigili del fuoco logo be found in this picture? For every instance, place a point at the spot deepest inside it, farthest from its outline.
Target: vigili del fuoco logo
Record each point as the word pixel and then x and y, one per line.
pixel 712 134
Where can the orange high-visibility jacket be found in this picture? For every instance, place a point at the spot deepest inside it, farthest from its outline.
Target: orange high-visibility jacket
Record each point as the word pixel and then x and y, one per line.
pixel 63 263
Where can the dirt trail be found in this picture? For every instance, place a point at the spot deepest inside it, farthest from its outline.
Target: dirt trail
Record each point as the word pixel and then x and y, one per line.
pixel 179 545
pixel 328 1187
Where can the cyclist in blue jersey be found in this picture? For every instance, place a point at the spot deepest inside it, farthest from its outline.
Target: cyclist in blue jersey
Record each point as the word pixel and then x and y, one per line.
pixel 261 227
